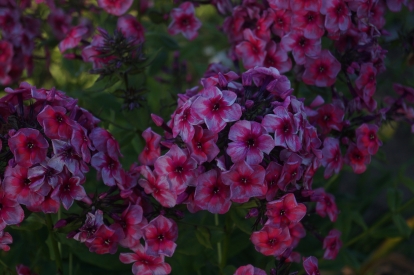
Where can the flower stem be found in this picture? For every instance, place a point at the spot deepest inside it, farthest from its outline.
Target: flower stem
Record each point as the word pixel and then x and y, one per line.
pixel 219 255
pixel 11 271
pixel 384 219
pixel 55 246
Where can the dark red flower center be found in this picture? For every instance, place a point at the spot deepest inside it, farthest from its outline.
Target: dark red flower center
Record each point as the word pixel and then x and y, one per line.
pixel 310 17
pixel 326 117
pixel 107 241
pixel 271 242
pixel 332 246
pixel 66 188
pixel 302 42
pixel 357 156
pixel 161 237
pixel 179 169
pixel 199 145
pixel 286 127
pixel 371 136
pixel 59 118
pixel 282 212
pixel 244 180
pixel 250 142
pixel 26 182
pixel 30 145
pixel 216 107
pixel 322 69
pixel 185 21
pixel 216 190
pixel 1 206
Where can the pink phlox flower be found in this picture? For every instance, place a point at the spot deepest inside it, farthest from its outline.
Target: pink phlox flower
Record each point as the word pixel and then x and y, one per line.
pixel 271 241
pixel 272 177
pixel 131 222
pixel 55 122
pixel 184 122
pixel 73 37
pixel 250 141
pixel 220 79
pixel 43 178
pixel 332 243
pixel 178 167
pixel 59 22
pixel 158 187
pixel 311 22
pixel 145 264
pixel 297 232
pixel 307 5
pixel 394 5
pixel 131 28
pixel 108 168
pixel 115 7
pixel 285 211
pixel 405 91
pixel 28 146
pixel 321 71
pixel 5 239
pixel 366 80
pixel 245 181
pixel 330 117
pixel 152 149
pixel 279 4
pixel 337 15
pixel 216 108
pixel 82 144
pixel 277 57
pixel 332 158
pixel 252 50
pixel 310 264
pixel 106 240
pixel 93 52
pixel 285 126
pixel 249 270
pixel 48 205
pixel 291 172
pixel 325 204
pixel 10 212
pixel 357 158
pixel 13 95
pixel 203 146
pixel 211 193
pixel 184 21
pixel 17 186
pixel 367 138
pixel 282 22
pixel 88 230
pixel 65 156
pixel 300 46
pixel 105 142
pixel 160 235
pixel 70 189
pixel 262 29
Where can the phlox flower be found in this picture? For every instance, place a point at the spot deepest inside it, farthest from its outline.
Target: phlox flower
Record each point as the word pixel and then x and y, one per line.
pixel 271 241
pixel 184 21
pixel 160 235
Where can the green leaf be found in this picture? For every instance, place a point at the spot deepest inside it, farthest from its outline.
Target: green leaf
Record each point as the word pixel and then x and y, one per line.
pixel 249 204
pixel 394 198
pixel 203 236
pixel 237 215
pixel 408 182
pixel 159 39
pixel 402 225
pixel 358 219
pixel 386 232
pixel 50 247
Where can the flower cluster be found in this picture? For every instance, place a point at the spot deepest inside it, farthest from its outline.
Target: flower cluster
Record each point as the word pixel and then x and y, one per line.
pixel 18 31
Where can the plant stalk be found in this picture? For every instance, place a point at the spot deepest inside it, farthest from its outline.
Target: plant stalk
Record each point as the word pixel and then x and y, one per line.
pixel 55 245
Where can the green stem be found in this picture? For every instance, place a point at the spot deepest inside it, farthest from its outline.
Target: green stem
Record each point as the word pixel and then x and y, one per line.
pixel 219 254
pixel 8 268
pixel 55 246
pixel 383 220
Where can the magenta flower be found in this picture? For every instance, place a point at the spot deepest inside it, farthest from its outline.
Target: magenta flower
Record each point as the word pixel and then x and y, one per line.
pixel 332 243
pixel 68 191
pixel 300 46
pixel 297 232
pixel 249 270
pixel 282 21
pixel 330 117
pixel 273 173
pixel 160 236
pixel 245 181
pixel 115 7
pixel 183 122
pixel 10 211
pixel 106 240
pixel 285 210
pixel 326 205
pixel 337 15
pixel 73 37
pixel 277 57
pixel 279 4
pixel 108 168
pixel 59 22
pixel 310 264
pixel 367 80
pixel 332 158
pixel 55 122
pixel 250 140
pixel 285 126
pixel 291 172
pixel 89 228
pixel 145 264
pixel 178 167
pixel 367 138
pixel 321 71
pixel 262 29
pixel 311 22
pixel 158 187
pixel 216 108
pixel 48 205
pixel 28 146
pixel 17 186
pixel 184 21
pixel 131 28
pixel 65 156
pixel 405 91
pixel 203 146
pixel 357 159
pixel 271 240
pixel 131 222
pixel 5 239
pixel 82 143
pixel 308 5
pixel 252 50
pixel 105 142
pixel 211 193
pixel 152 149
pixel 23 270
